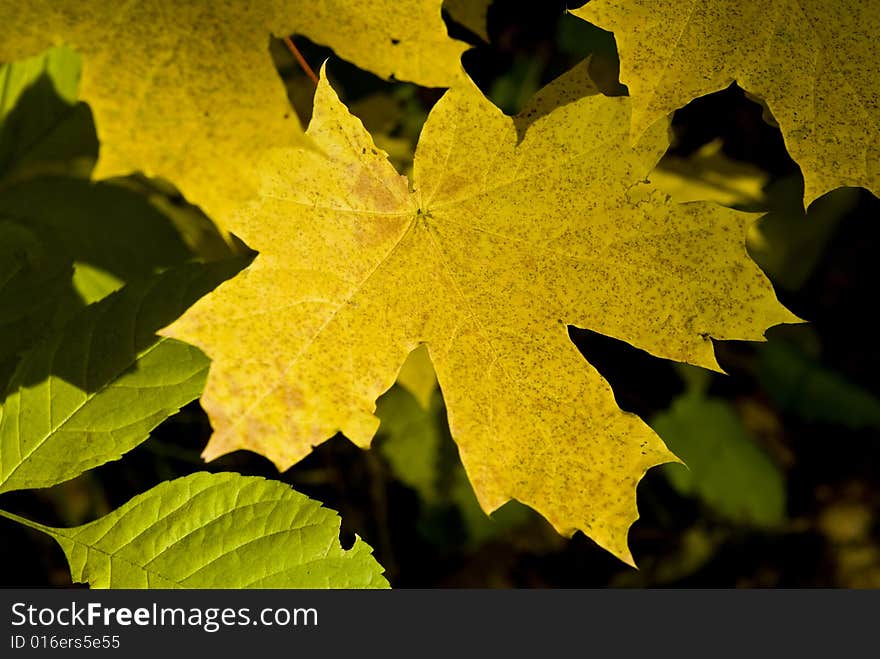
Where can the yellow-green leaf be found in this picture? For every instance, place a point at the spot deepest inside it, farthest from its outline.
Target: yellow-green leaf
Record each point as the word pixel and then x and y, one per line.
pixel 188 90
pixel 216 531
pixel 95 388
pixel 813 63
pixel 497 249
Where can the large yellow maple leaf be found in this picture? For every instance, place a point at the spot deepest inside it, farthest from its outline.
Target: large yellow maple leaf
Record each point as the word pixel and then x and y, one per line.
pixel 815 64
pixel 498 248
pixel 188 91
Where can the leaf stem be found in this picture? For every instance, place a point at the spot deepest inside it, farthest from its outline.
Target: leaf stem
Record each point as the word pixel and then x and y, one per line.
pixel 302 60
pixel 26 522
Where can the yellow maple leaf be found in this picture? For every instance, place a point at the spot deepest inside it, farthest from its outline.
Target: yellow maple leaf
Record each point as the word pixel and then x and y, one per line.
pixel 188 91
pixel 498 247
pixel 814 64
pixel 403 39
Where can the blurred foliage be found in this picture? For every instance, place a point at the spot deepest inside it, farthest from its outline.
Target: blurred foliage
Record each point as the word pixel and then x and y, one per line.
pixel 783 485
pixel 709 175
pixel 723 465
pixel 415 442
pixel 799 384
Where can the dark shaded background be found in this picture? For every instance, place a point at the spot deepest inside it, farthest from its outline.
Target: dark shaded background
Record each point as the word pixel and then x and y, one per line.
pixel 823 441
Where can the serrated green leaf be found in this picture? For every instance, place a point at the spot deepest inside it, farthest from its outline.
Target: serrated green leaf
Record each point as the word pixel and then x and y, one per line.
pixel 725 467
pixel 96 389
pixel 217 531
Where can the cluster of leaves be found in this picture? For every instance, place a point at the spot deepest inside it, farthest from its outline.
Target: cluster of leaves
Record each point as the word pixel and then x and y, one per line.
pixel 509 231
pixel 90 272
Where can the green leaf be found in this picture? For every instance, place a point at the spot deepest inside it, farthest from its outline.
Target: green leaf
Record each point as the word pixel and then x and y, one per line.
pixel 60 238
pixel 34 291
pixel 59 66
pixel 42 127
pixel 93 284
pixel 805 387
pixel 216 531
pixel 725 467
pixel 96 389
pixel 67 242
pixel 110 227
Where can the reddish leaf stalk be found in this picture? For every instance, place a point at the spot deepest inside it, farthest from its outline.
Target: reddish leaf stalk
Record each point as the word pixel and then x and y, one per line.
pixel 302 60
